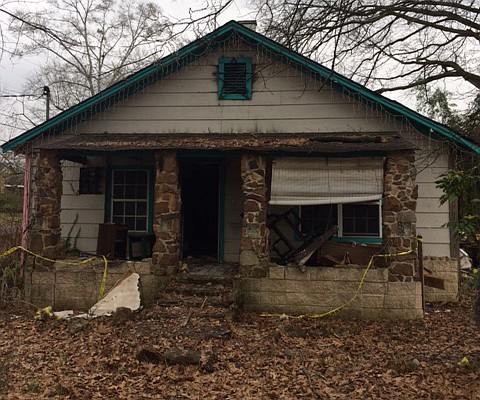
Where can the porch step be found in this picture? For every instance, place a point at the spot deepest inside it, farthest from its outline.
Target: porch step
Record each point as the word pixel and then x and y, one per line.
pixel 196 289
pixel 193 291
pixel 199 279
pixel 191 302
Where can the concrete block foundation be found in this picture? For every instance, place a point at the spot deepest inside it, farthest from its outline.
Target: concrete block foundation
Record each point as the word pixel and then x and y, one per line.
pixel 77 286
pixel 321 289
pixel 446 269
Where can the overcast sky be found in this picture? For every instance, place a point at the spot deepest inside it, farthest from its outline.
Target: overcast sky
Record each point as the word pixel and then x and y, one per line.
pixel 14 71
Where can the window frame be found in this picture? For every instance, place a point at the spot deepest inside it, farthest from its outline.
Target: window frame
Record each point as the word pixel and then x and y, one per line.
pixel 149 199
pixel 341 237
pixel 248 78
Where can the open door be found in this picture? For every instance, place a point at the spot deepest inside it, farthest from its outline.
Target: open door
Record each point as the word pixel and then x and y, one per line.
pixel 200 207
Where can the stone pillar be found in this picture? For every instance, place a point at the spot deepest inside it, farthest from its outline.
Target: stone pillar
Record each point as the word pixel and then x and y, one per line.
pixel 399 205
pixel 46 231
pixel 254 257
pixel 166 210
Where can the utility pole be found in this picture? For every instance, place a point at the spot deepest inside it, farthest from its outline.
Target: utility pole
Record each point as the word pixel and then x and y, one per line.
pixel 46 92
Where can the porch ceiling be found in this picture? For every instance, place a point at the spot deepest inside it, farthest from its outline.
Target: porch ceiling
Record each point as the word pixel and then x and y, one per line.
pixel 298 142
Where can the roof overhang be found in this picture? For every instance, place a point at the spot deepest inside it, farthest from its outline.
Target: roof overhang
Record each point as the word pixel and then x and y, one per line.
pixel 298 142
pixel 173 62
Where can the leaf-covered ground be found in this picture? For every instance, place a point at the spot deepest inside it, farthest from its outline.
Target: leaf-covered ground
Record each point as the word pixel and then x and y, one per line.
pixel 253 357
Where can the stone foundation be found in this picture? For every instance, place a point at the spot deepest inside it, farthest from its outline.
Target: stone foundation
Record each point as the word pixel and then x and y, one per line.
pixel 254 254
pixel 166 222
pixel 66 287
pixel 446 269
pixel 321 289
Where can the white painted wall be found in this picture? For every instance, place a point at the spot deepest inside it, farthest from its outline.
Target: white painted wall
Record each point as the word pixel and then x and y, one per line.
pixel 430 215
pixel 284 100
pixel 88 207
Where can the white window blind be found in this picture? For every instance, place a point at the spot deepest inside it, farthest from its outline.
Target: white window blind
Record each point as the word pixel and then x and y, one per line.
pixel 310 181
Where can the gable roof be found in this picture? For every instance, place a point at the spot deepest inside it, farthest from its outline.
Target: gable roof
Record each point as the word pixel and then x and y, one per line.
pixel 175 61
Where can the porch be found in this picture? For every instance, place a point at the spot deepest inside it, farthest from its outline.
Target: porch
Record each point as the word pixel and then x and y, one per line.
pixel 210 205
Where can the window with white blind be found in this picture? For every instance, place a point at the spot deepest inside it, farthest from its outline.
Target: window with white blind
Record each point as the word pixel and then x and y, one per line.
pixel 345 192
pixel 315 181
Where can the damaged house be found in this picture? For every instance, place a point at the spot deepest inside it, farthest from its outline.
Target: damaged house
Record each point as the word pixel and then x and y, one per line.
pixel 235 149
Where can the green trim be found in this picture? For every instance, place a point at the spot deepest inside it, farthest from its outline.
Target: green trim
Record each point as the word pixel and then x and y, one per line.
pixel 357 239
pixel 347 239
pixel 336 79
pixel 221 78
pixel 296 236
pixel 171 63
pixel 221 211
pixel 151 189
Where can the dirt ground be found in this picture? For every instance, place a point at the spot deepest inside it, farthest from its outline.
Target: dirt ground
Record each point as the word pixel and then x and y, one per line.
pixel 245 357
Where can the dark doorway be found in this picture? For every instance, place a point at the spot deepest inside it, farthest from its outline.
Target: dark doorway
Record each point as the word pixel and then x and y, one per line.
pixel 200 188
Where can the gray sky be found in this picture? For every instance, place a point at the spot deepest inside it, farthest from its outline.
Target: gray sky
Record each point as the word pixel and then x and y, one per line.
pixel 13 72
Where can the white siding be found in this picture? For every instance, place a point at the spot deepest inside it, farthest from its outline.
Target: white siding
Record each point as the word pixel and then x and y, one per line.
pixel 430 215
pixel 232 211
pixel 87 209
pixel 283 100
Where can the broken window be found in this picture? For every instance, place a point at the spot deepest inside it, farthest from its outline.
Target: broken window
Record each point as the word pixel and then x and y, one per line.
pixel 235 79
pixel 328 192
pixel 353 220
pixel 91 180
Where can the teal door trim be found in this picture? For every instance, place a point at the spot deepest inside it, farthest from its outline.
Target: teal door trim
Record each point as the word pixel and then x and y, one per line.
pixel 221 209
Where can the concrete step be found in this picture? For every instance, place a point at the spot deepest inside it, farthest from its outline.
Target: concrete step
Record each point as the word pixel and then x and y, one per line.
pixel 195 289
pixel 200 279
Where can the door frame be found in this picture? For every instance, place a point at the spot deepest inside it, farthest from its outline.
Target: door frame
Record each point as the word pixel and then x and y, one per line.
pixel 219 159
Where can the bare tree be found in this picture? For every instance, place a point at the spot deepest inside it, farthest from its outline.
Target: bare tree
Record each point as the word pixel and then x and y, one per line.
pixel 386 44
pixel 88 44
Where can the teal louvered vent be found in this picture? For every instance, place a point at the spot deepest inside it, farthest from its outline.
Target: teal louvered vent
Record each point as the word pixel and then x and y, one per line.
pixel 235 79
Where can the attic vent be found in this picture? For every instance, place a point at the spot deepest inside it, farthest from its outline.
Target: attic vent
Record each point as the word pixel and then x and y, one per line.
pixel 235 79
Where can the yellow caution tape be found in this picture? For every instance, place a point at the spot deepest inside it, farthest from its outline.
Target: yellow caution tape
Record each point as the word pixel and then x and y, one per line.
pixel 104 279
pixel 105 263
pixel 335 310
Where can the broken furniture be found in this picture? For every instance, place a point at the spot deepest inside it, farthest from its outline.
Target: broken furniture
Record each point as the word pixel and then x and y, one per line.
pixel 333 253
pixel 146 240
pixel 112 240
pixel 285 245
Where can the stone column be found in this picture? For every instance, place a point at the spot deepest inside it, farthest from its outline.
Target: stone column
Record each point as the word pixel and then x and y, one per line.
pixel 254 255
pixel 46 231
pixel 166 210
pixel 399 205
